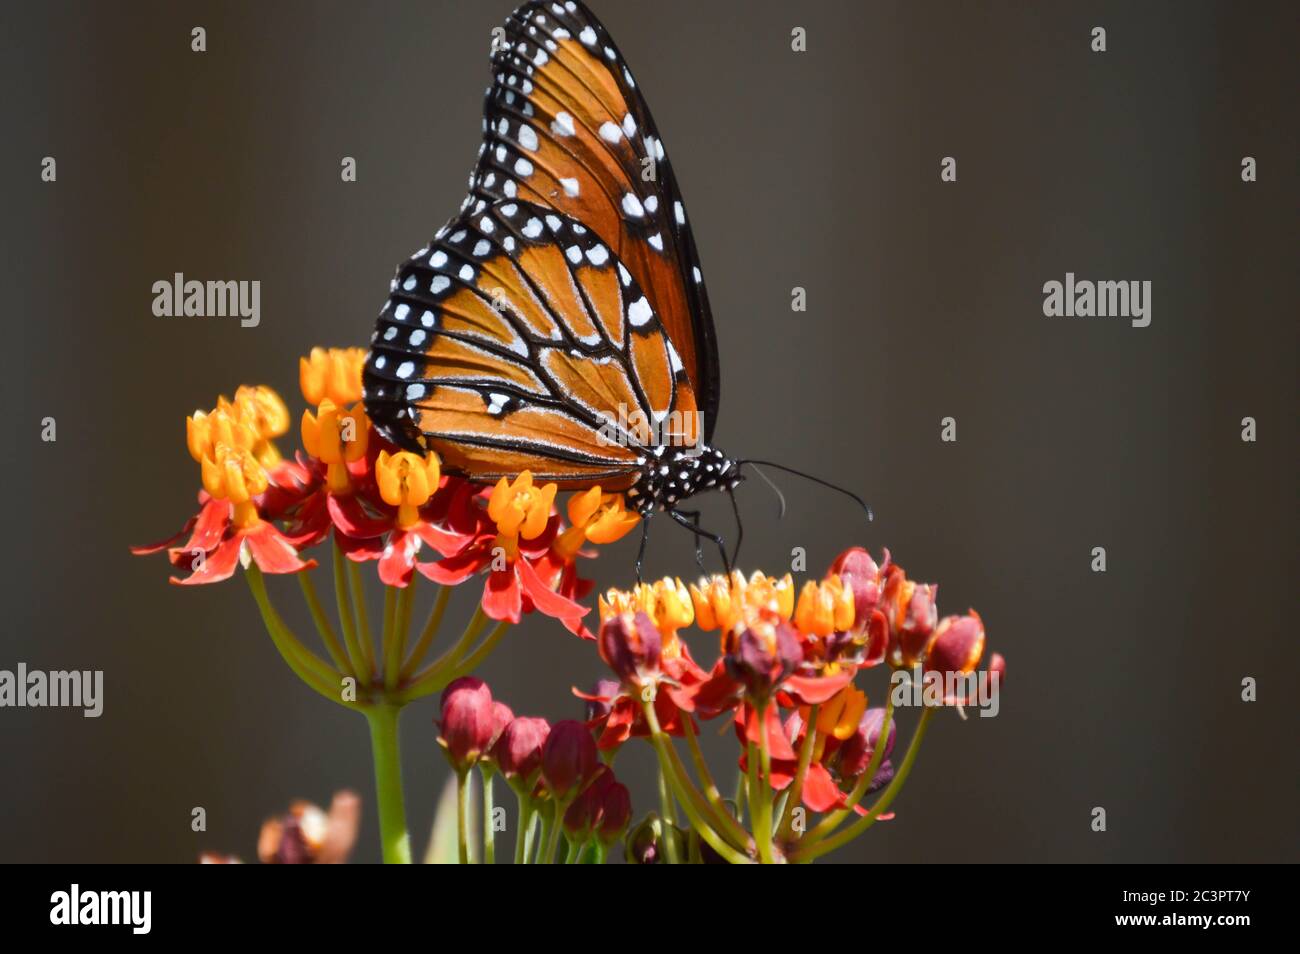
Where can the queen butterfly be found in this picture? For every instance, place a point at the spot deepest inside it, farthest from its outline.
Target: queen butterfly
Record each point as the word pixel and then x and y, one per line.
pixel 559 323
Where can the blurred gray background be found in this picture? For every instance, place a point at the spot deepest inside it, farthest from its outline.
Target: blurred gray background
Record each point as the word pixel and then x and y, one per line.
pixel 819 170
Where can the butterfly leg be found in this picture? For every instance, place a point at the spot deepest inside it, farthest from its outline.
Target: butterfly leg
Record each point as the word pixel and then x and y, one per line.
pixel 681 518
pixel 740 526
pixel 694 516
pixel 645 538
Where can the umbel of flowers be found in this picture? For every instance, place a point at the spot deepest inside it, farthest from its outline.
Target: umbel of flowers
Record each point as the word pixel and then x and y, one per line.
pixel 810 749
pixel 350 499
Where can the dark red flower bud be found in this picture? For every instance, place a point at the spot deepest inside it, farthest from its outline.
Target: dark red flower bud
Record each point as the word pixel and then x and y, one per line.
pixel 502 716
pixel 630 645
pixel 957 645
pixel 518 753
pixel 615 813
pixel 763 654
pixel 857 750
pixel 603 693
pixel 467 721
pixel 569 758
pixel 859 573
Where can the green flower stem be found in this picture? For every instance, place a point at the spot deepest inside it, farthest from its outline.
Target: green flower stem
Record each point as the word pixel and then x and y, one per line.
pixel 720 815
pixel 670 819
pixel 489 835
pixel 323 625
pixel 484 649
pixel 546 840
pixel 662 747
pixel 307 666
pixel 523 835
pixel 462 815
pixel 833 820
pixel 364 633
pixel 442 670
pixel 405 607
pixel 341 598
pixel 387 638
pixel 795 791
pixel 809 851
pixel 422 645
pixel 388 783
pixel 763 796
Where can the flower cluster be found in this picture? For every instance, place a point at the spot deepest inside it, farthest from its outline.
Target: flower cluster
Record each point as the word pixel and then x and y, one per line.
pixel 554 771
pixel 785 674
pixel 376 503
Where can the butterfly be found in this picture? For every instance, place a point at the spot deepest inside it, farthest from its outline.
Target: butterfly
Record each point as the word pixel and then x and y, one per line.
pixel 559 322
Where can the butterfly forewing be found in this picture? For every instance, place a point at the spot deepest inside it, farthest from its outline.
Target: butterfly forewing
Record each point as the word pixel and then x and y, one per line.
pixel 565 127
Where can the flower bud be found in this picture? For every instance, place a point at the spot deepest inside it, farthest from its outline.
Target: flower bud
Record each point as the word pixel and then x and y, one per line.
pixel 630 645
pixel 615 813
pixel 957 645
pixel 502 716
pixel 859 573
pixel 518 752
pixel 569 758
pixel 467 721
pixel 858 749
pixel 762 655
pixel 643 843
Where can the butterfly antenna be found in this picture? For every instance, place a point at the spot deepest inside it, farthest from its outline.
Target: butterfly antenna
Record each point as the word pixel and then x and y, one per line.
pixel 816 480
pixel 775 489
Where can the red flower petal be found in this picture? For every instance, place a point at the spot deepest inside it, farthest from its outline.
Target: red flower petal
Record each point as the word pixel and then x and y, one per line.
pixel 218 565
pixel 544 598
pixel 399 558
pixel 271 551
pixel 349 516
pixel 502 595
pixel 814 690
pixel 820 793
pixel 455 570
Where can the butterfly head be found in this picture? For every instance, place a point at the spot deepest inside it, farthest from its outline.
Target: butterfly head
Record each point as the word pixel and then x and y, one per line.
pixel 671 474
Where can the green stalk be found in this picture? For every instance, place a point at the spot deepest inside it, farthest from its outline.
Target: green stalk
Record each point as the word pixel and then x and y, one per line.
pixel 661 745
pixel 462 815
pixel 346 622
pixel 670 820
pixel 832 820
pixel 524 820
pixel 808 852
pixel 306 665
pixel 388 783
pixel 763 797
pixel 364 634
pixel 795 791
pixel 430 630
pixel 489 834
pixel 323 626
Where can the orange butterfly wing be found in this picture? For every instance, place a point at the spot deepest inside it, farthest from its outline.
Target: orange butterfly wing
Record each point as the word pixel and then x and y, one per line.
pixel 564 126
pixel 519 341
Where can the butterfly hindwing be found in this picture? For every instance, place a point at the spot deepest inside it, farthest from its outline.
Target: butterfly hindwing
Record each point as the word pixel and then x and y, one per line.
pixel 519 341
